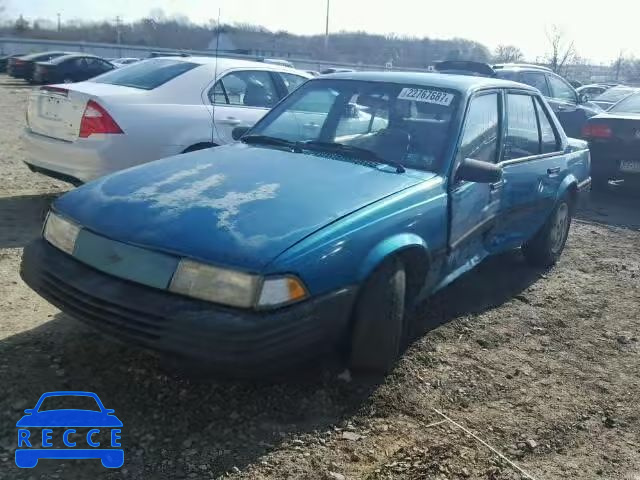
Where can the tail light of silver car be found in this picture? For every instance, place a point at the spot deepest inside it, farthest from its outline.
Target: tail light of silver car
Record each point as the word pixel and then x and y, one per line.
pixel 96 120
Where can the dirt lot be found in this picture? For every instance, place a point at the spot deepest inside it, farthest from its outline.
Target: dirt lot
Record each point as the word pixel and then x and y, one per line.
pixel 543 366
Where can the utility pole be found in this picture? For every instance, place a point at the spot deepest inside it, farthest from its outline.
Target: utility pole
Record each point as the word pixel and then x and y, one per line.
pixel 619 65
pixel 58 21
pixel 118 29
pixel 326 33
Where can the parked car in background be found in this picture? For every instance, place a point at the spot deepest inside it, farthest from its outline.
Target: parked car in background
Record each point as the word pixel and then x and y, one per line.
pixel 4 60
pixel 572 109
pixel 279 61
pixel 614 142
pixel 593 90
pixel 258 255
pixel 313 73
pixel 121 62
pixel 327 71
pixel 23 67
pixel 612 96
pixel 70 68
pixel 146 111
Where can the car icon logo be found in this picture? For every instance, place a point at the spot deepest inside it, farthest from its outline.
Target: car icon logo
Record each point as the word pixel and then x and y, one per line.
pixel 69 433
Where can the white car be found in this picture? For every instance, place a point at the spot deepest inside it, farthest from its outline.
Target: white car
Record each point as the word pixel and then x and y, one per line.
pixel 148 110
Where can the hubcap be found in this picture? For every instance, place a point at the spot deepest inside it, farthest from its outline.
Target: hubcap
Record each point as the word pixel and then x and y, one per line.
pixel 560 228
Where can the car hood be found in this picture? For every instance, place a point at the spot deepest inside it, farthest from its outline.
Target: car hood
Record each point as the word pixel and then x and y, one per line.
pixel 236 205
pixel 69 418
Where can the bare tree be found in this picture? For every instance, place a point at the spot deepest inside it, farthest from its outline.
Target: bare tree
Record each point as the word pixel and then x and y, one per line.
pixel 507 54
pixel 562 50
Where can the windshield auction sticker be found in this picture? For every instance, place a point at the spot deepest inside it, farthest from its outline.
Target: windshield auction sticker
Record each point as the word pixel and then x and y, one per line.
pixel 48 431
pixel 426 96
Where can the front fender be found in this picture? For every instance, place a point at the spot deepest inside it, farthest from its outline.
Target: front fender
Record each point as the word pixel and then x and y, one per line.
pixel 388 247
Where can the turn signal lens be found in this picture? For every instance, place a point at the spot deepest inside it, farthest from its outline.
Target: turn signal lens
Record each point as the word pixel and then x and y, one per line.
pixel 281 290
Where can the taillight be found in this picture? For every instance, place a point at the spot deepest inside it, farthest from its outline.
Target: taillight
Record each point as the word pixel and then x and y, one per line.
pixel 18 62
pixel 596 130
pixel 97 120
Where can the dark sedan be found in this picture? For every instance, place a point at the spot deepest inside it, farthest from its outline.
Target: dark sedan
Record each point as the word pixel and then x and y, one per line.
pixel 70 68
pixel 22 67
pixel 614 141
pixel 4 60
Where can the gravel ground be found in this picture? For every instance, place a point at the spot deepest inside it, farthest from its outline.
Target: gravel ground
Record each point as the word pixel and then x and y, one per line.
pixel 542 366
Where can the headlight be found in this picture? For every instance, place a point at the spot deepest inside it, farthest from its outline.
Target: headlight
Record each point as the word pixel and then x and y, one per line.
pixel 277 291
pixel 214 284
pixel 61 233
pixel 237 289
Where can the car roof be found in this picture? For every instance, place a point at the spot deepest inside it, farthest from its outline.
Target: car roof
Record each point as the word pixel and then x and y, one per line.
pixel 521 66
pixel 463 83
pixel 70 56
pixel 226 63
pixel 31 56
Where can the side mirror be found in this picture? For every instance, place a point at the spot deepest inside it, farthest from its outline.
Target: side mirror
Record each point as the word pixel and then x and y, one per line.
pixel 238 132
pixel 478 171
pixel 109 411
pixel 583 98
pixel 29 411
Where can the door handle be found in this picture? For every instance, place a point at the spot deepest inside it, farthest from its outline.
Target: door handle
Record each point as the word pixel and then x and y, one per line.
pixel 496 186
pixel 230 121
pixel 553 171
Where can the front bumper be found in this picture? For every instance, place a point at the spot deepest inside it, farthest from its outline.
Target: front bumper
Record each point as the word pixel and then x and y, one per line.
pixel 233 341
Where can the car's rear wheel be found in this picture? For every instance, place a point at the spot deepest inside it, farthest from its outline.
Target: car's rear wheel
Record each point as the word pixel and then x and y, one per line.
pixel 545 248
pixel 379 328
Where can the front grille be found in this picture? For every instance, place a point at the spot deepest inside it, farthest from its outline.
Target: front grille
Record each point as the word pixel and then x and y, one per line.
pixel 104 315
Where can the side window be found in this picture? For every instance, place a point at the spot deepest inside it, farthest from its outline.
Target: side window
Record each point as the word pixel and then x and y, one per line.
pixel 562 90
pixel 246 88
pixel 536 80
pixel 480 137
pixel 522 128
pixel 549 139
pixel 291 81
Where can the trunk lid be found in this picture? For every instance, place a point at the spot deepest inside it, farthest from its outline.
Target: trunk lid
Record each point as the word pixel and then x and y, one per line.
pixel 56 110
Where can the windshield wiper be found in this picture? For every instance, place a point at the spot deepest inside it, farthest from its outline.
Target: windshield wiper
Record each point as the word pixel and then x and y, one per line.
pixel 266 140
pixel 351 150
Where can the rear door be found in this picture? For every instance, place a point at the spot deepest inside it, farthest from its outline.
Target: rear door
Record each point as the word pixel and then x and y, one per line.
pixel 475 206
pixel 533 169
pixel 564 101
pixel 241 98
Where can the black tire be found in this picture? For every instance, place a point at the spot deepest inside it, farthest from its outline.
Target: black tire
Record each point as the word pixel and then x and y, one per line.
pixel 546 246
pixel 379 328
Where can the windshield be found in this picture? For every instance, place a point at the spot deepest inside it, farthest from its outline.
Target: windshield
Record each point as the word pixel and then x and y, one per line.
pixel 614 94
pixel 146 75
pixel 631 104
pixel 408 125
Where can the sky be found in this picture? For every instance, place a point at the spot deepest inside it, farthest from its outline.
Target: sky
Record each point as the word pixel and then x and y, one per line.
pixel 597 37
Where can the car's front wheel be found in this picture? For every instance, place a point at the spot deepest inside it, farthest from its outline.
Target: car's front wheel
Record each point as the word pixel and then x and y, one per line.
pixel 379 327
pixel 546 246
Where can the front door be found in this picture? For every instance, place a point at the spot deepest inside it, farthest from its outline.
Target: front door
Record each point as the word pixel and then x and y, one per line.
pixel 474 206
pixel 533 168
pixel 241 98
pixel 564 101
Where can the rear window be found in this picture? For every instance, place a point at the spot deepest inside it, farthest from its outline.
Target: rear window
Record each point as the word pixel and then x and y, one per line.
pixel 146 75
pixel 614 94
pixel 630 104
